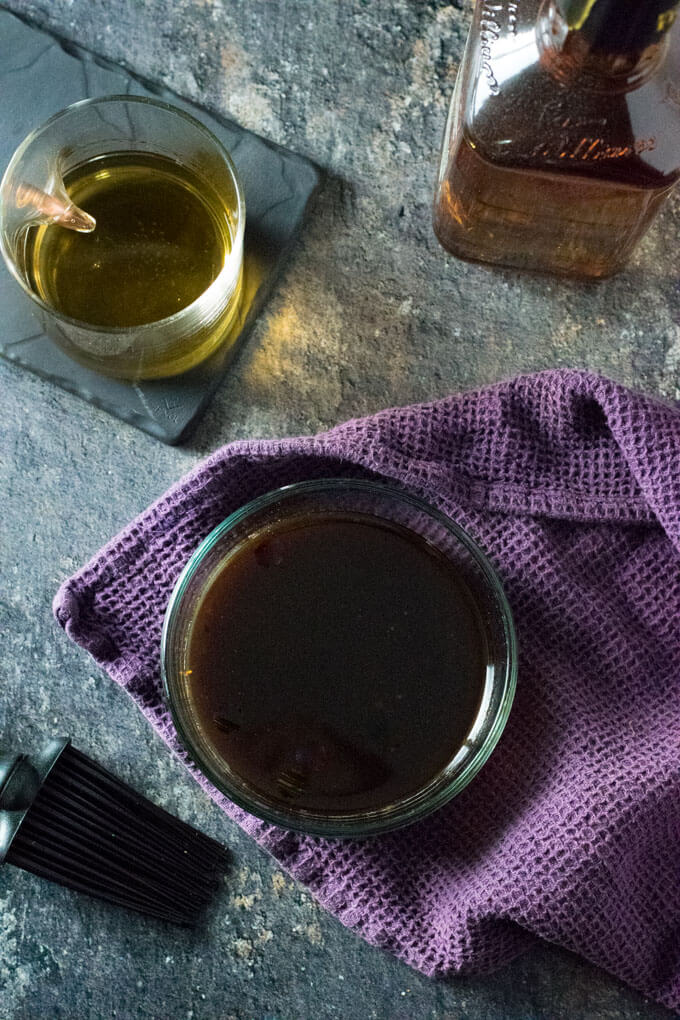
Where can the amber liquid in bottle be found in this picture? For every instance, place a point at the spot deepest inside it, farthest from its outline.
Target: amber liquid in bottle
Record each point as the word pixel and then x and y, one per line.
pixel 562 143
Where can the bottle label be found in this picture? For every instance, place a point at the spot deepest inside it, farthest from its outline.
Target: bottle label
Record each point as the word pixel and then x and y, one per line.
pixel 489 33
pixel 497 18
pixel 591 150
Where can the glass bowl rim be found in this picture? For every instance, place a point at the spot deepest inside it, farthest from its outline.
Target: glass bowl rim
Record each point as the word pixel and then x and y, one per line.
pixel 356 825
pixel 189 309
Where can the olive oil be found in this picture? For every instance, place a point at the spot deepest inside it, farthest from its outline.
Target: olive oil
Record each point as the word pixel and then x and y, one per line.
pixel 156 286
pixel 161 239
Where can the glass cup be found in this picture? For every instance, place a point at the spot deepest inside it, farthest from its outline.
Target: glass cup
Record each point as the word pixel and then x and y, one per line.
pixel 389 507
pixel 88 142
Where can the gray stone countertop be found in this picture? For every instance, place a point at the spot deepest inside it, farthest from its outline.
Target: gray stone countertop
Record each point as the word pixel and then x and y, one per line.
pixel 370 312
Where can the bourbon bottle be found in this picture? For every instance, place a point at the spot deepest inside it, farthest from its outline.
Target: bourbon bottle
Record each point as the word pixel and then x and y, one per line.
pixel 563 137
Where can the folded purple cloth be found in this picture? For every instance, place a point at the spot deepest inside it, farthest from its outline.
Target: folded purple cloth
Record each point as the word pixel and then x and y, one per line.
pixel 571 831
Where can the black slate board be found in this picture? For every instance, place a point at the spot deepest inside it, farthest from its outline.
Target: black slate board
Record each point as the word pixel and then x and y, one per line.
pixel 40 75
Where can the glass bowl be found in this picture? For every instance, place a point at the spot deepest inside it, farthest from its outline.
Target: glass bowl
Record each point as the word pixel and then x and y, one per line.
pixel 310 505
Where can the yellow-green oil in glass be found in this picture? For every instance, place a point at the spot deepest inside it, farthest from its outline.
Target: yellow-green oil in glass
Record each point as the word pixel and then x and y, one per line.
pixel 162 237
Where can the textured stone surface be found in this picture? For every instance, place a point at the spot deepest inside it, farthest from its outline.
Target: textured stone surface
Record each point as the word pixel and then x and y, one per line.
pixel 370 312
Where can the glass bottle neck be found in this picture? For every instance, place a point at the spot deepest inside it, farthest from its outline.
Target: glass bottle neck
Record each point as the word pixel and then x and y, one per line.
pixel 619 26
pixel 581 53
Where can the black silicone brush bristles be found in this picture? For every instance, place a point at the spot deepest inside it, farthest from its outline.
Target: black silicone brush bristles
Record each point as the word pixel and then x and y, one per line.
pixel 91 832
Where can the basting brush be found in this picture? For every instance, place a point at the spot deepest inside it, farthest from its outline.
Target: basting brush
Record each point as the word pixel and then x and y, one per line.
pixel 65 818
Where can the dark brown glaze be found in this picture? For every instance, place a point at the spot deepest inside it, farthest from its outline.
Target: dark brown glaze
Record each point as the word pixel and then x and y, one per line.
pixel 336 663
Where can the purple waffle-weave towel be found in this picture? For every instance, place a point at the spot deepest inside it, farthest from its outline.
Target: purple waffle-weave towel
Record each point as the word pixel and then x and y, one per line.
pixel 571 831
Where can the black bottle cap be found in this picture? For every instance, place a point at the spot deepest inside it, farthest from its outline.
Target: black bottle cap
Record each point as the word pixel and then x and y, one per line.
pixel 620 26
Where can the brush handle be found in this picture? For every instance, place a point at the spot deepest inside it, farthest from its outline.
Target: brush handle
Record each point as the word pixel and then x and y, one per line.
pixel 21 777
